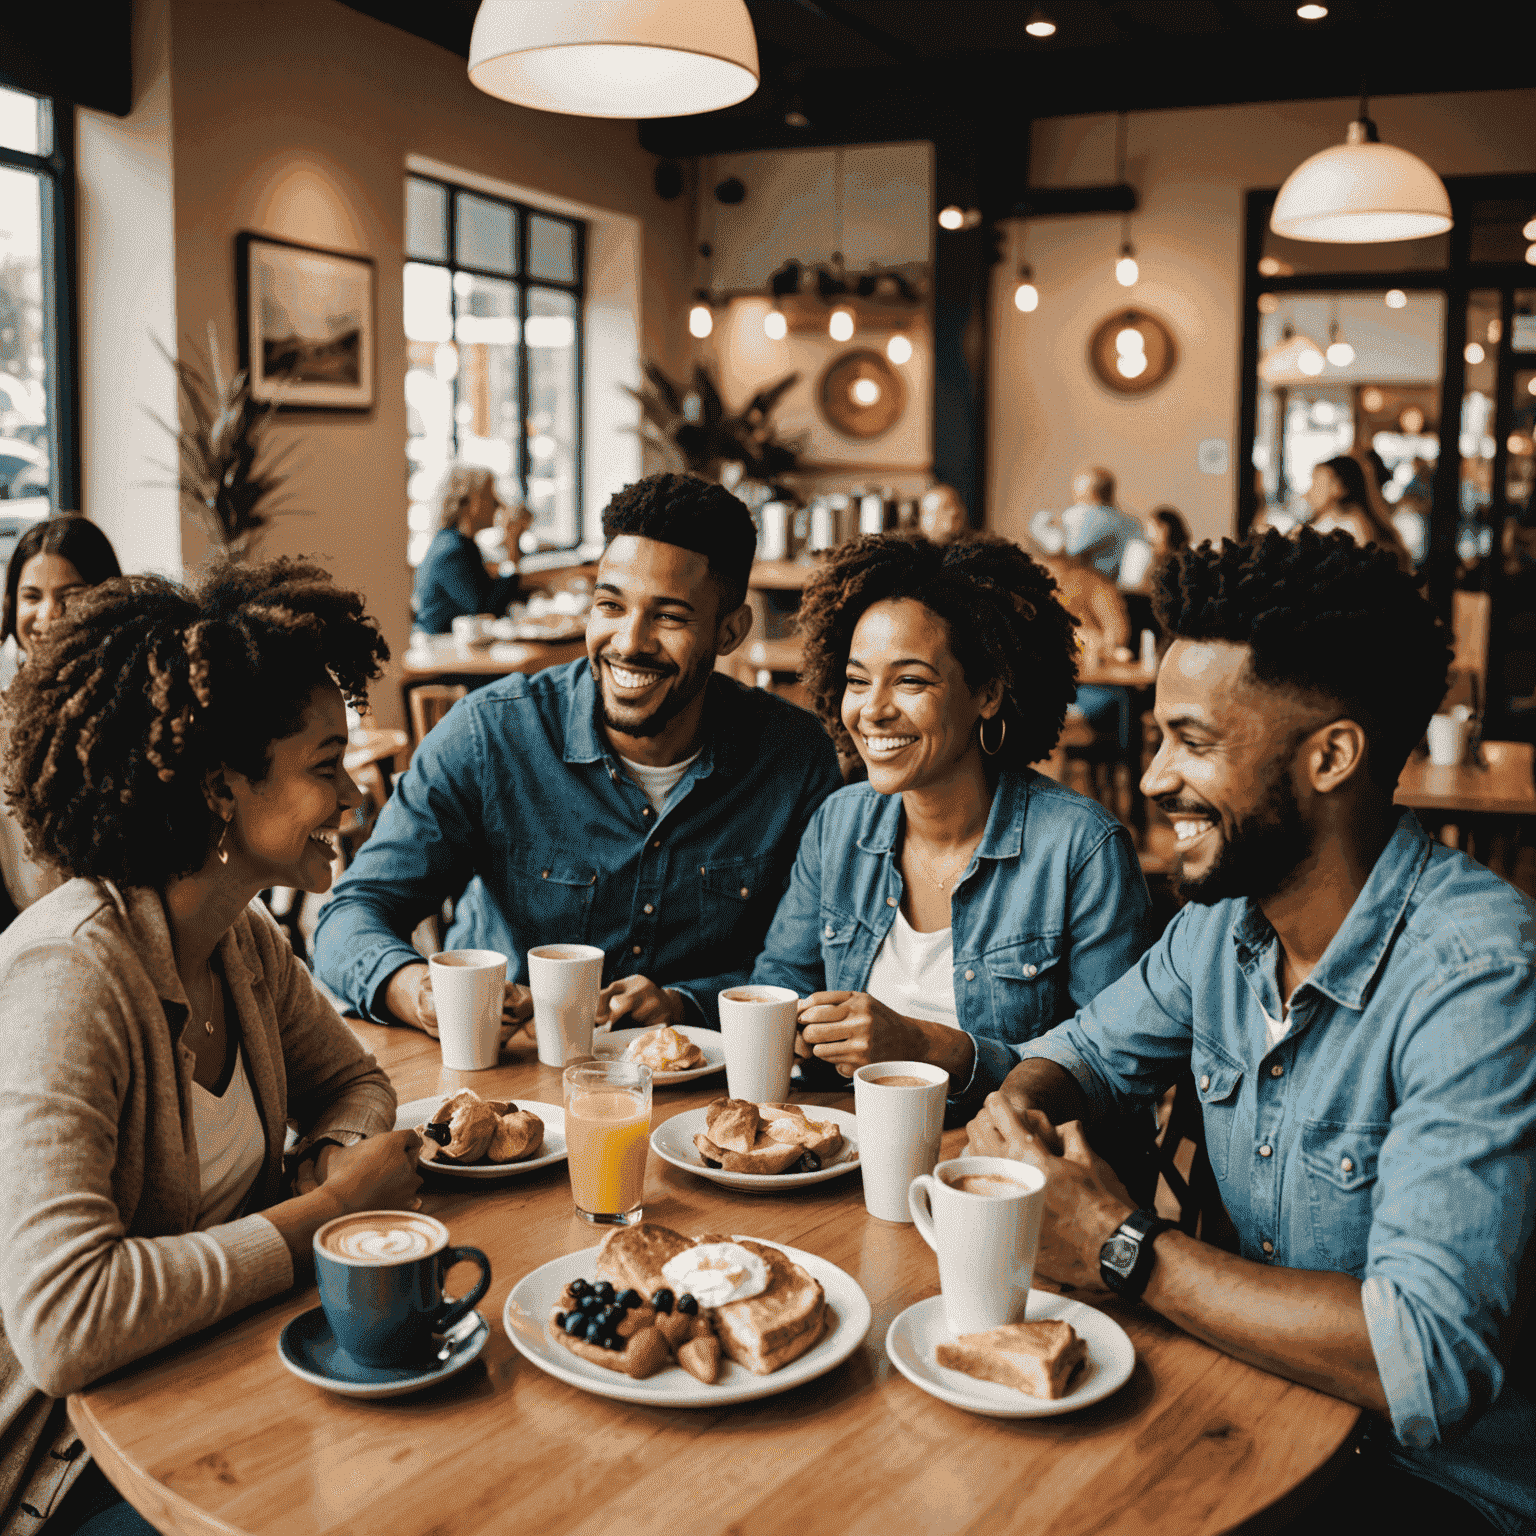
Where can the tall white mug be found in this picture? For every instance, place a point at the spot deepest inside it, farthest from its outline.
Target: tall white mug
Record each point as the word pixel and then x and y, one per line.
pixel 900 1111
pixel 981 1215
pixel 757 1029
pixel 468 987
pixel 565 980
pixel 1447 740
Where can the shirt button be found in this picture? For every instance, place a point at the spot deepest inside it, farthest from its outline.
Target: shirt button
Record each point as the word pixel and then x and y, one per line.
pixel 657 843
pixel 546 874
pixel 1029 970
pixel 970 975
pixel 1265 1151
pixel 745 892
pixel 830 931
pixel 1267 1246
pixel 1348 1165
pixel 649 909
pixel 1277 1070
pixel 890 901
pixel 646 811
pixel 1205 1081
pixel 636 950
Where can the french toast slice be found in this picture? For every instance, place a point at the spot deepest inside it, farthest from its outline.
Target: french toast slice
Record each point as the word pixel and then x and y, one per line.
pixel 732 1124
pixel 767 1331
pixel 789 1122
pixel 765 1155
pixel 1037 1358
pixel 633 1256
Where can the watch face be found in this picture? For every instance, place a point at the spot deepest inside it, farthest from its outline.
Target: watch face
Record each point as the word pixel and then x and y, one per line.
pixel 1119 1254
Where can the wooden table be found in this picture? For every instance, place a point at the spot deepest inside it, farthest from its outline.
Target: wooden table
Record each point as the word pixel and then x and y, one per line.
pixel 367 746
pixel 214 1436
pixel 1500 785
pixel 440 658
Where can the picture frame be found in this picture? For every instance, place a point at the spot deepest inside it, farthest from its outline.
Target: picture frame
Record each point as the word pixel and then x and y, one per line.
pixel 307 324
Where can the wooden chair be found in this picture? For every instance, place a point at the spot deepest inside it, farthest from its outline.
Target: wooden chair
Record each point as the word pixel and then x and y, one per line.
pixel 1188 1175
pixel 1471 621
pixel 429 703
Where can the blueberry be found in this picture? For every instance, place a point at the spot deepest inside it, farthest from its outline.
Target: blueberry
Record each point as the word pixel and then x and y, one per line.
pixel 579 1287
pixel 629 1298
pixel 687 1304
pixel 662 1300
pixel 611 1316
pixel 808 1163
pixel 594 1332
pixel 559 1319
pixel 589 1304
pixel 612 1341
pixel 603 1290
pixel 575 1323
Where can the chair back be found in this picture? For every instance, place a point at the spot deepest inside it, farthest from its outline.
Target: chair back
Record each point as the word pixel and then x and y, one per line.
pixel 429 703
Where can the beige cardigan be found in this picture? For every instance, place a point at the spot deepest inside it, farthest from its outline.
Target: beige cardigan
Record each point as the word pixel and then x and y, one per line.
pixel 99 1173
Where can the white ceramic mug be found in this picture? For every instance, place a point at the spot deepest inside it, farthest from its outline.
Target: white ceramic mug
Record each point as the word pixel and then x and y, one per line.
pixel 468 989
pixel 985 1237
pixel 899 1129
pixel 757 1029
pixel 1447 740
pixel 565 980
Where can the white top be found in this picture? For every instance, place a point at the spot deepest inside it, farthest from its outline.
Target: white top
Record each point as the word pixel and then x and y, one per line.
pixel 231 1145
pixel 1275 1030
pixel 914 974
pixel 658 783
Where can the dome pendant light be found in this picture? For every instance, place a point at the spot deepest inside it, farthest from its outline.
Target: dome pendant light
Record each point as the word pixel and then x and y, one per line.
pixel 615 58
pixel 1361 192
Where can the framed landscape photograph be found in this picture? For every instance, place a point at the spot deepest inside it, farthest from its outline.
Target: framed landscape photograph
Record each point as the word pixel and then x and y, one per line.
pixel 306 324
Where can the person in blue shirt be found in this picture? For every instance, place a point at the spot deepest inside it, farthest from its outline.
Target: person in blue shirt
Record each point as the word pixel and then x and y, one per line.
pixel 958 903
pixel 452 580
pixel 1093 528
pixel 1357 1005
pixel 637 799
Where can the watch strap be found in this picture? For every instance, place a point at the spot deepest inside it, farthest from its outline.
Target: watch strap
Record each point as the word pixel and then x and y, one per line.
pixel 1140 1228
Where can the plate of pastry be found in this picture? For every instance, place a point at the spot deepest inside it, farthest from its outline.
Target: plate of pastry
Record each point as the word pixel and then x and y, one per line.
pixel 674 1053
pixel 1063 1356
pixel 652 1316
pixel 760 1148
pixel 466 1137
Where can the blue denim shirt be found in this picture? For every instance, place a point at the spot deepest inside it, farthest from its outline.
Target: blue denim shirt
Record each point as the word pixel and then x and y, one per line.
pixel 1390 1135
pixel 452 580
pixel 517 792
pixel 1050 910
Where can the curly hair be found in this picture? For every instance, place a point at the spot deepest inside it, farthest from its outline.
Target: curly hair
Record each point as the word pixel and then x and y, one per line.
pixel 695 514
pixel 1000 609
pixel 1326 618
pixel 146 686
pixel 69 536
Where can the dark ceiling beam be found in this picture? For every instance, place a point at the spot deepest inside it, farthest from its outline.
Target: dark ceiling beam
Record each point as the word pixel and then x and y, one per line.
pixel 895 50
pixel 1067 202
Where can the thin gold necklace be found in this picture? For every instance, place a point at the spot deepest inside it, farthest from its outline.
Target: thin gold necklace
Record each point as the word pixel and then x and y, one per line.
pixel 955 866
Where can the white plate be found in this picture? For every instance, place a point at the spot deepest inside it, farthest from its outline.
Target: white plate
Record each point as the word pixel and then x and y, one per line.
pixel 526 1319
pixel 614 1042
pixel 672 1142
pixel 911 1339
pixel 415 1113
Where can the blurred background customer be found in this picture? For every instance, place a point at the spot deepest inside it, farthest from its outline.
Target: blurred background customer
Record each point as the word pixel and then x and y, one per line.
pixel 452 580
pixel 1341 496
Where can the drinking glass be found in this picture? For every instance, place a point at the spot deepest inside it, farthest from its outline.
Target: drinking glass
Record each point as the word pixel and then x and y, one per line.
pixel 607 1129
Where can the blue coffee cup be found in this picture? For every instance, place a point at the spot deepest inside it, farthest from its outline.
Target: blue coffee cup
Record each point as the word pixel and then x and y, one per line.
pixel 381 1276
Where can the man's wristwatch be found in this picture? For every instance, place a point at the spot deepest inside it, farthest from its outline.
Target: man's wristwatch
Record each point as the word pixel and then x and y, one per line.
pixel 1125 1261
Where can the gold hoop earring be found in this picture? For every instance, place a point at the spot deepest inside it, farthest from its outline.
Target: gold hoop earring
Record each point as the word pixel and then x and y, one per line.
pixel 219 847
pixel 1002 736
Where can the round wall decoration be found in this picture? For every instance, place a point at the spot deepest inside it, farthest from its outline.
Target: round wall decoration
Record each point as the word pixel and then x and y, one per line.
pixel 1132 352
pixel 860 394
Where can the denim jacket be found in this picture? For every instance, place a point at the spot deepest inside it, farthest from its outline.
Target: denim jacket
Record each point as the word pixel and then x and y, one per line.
pixel 517 796
pixel 1050 910
pixel 1389 1135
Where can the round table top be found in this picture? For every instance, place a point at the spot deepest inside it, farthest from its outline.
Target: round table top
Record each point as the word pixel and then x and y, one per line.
pixel 214 1435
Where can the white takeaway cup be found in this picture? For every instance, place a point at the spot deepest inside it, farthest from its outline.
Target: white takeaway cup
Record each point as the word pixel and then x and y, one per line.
pixel 1447 740
pixel 468 989
pixel 565 980
pixel 899 1127
pixel 757 1029
pixel 986 1241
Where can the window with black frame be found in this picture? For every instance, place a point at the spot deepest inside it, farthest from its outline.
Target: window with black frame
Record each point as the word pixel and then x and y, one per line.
pixel 39 461
pixel 493 335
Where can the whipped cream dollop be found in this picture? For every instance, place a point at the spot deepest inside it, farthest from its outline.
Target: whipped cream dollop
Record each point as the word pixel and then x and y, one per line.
pixel 716 1273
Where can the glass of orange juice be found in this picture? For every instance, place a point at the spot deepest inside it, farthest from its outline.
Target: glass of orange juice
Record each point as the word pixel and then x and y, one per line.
pixel 607 1128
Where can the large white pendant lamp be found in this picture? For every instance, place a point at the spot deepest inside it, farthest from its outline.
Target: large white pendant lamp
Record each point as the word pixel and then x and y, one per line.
pixel 1360 192
pixel 615 58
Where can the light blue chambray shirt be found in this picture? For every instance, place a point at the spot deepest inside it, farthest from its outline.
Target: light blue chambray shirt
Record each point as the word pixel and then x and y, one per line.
pixel 1391 1134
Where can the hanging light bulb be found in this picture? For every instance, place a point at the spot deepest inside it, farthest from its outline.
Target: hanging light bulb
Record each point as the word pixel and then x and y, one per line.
pixel 1310 362
pixel 1126 270
pixel 701 319
pixel 899 349
pixel 1026 297
pixel 775 324
pixel 1396 299
pixel 1473 352
pixel 952 217
pixel 840 325
pixel 1530 255
pixel 1360 192
pixel 1339 353
pixel 1530 230
pixel 1311 12
pixel 1040 25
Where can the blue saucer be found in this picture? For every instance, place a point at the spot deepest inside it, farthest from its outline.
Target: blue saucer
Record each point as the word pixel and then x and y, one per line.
pixel 309 1349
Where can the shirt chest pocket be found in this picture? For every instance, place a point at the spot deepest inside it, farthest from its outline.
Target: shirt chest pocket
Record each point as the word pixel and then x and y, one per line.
pixel 735 902
pixel 1028 983
pixel 1217 1080
pixel 559 891
pixel 1338 1159
pixel 846 951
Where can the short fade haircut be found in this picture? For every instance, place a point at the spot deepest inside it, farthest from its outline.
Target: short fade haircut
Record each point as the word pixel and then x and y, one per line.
pixel 1326 618
pixel 694 514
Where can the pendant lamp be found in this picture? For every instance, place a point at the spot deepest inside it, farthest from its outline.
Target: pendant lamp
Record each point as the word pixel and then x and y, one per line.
pixel 1360 192
pixel 615 58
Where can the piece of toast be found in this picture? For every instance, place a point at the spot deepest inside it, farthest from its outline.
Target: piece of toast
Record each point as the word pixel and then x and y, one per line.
pixel 1038 1358
pixel 633 1256
pixel 765 1156
pixel 779 1324
pixel 732 1124
pixel 789 1122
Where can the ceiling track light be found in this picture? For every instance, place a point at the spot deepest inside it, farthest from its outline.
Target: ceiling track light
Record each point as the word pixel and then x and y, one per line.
pixel 1040 25
pixel 1311 12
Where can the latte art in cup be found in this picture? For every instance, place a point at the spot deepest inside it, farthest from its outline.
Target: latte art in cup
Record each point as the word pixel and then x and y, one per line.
pixel 987 1184
pixel 751 995
pixel 900 1082
pixel 371 1238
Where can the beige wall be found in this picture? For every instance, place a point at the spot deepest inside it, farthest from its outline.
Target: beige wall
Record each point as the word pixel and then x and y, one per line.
pixel 1192 167
pixel 295 118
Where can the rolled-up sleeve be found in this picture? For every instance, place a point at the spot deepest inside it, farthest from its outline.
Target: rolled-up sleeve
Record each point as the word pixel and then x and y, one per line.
pixel 1455 1200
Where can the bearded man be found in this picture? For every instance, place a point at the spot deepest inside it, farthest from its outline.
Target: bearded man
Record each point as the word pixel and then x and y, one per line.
pixel 1357 1006
pixel 637 800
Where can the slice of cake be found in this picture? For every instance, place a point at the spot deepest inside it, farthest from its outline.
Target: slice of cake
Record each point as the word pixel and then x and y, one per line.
pixel 1037 1358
